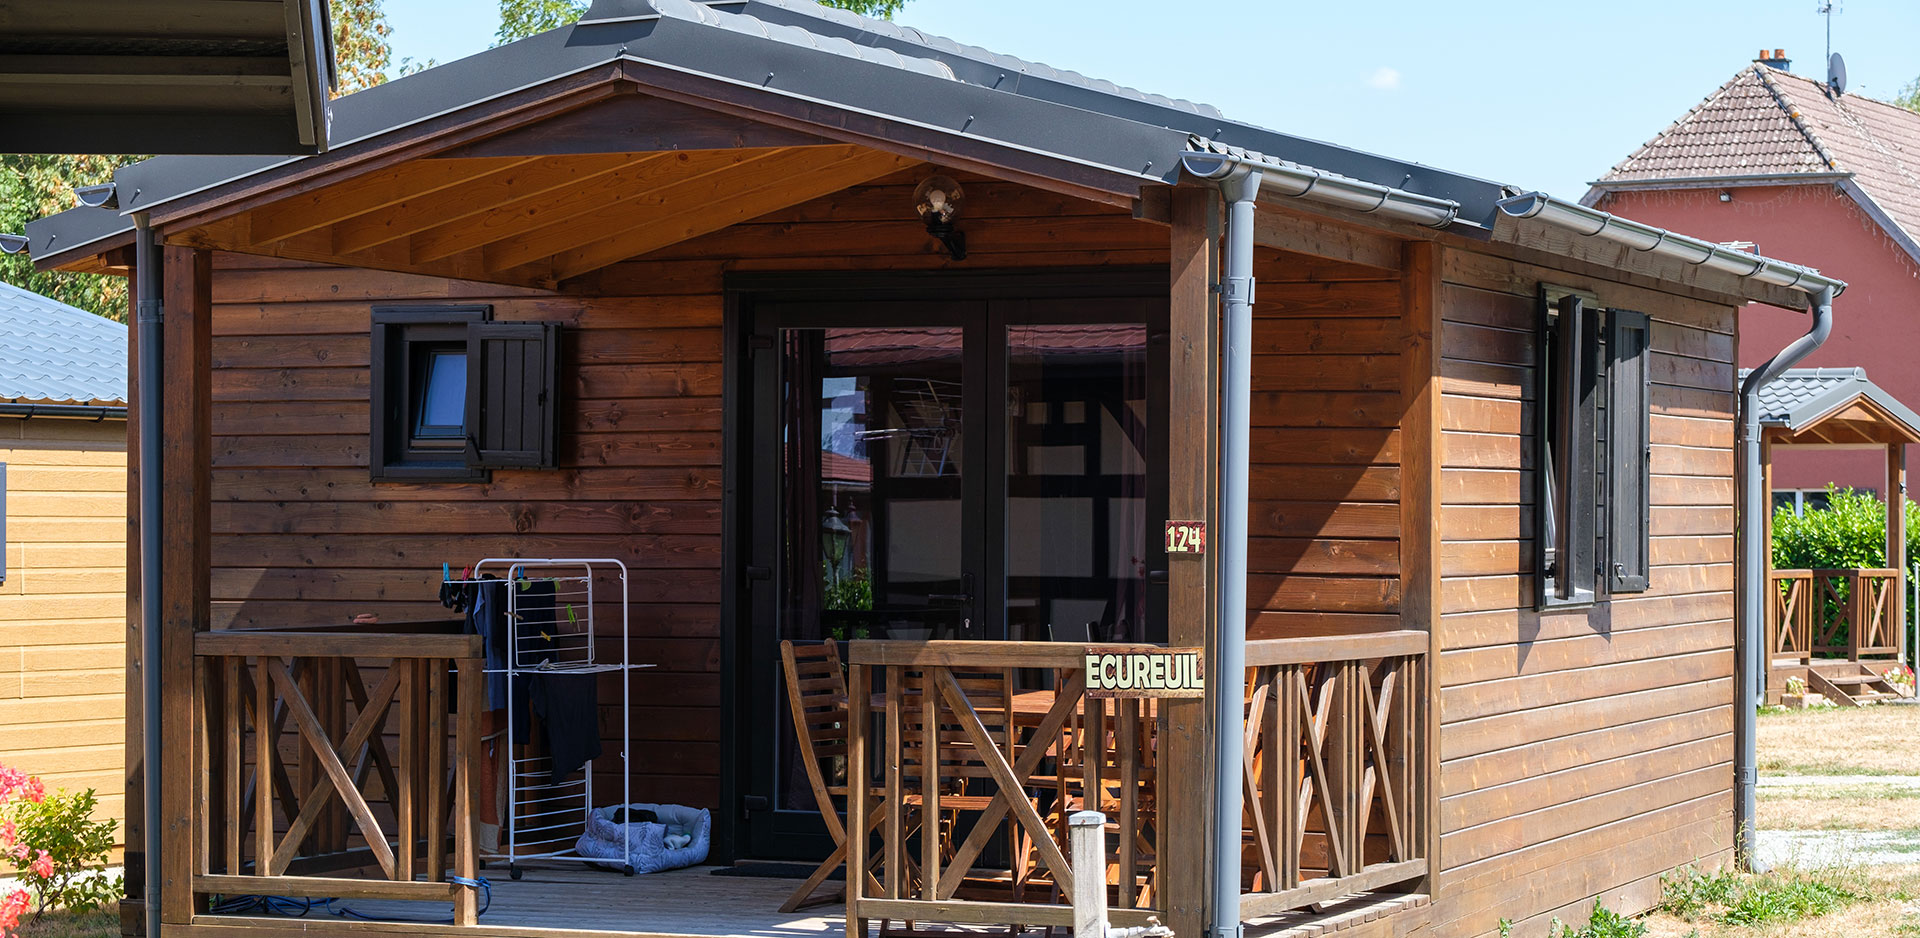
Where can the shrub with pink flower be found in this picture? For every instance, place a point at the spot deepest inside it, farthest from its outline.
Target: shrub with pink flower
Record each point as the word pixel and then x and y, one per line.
pixel 1901 677
pixel 56 848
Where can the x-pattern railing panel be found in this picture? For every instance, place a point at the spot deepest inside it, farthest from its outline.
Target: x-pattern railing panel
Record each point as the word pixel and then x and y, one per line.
pixel 341 753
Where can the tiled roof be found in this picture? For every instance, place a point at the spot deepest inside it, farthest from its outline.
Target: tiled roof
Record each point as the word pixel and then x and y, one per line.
pixel 1801 396
pixel 52 353
pixel 1766 121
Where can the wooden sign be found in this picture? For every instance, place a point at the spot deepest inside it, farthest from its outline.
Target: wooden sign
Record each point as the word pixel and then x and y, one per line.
pixel 1186 537
pixel 1144 672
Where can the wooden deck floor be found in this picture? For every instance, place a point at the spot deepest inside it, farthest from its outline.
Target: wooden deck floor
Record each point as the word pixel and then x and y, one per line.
pixel 679 902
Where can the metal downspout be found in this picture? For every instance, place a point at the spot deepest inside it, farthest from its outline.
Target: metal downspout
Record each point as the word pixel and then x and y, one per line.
pixel 1229 672
pixel 1747 677
pixel 147 321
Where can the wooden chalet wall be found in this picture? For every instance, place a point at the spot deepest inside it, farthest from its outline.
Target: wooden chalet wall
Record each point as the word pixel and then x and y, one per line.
pixel 1583 753
pixel 302 536
pixel 1324 493
pixel 63 607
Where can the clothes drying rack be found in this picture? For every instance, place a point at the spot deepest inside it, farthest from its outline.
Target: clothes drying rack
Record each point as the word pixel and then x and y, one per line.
pixel 561 639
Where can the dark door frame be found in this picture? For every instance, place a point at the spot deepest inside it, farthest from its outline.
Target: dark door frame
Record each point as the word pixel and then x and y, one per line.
pixel 743 292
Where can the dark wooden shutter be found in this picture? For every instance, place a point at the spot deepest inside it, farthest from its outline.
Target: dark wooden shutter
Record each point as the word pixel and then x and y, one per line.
pixel 1628 452
pixel 512 393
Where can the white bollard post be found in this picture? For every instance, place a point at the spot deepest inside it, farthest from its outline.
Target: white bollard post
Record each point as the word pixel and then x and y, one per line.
pixel 1087 851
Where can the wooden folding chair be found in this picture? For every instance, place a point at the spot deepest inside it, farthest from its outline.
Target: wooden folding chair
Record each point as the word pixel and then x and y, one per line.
pixel 817 700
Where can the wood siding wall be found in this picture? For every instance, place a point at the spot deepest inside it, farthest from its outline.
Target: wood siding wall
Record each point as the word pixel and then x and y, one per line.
pixel 63 607
pixel 302 536
pixel 1325 487
pixel 1584 753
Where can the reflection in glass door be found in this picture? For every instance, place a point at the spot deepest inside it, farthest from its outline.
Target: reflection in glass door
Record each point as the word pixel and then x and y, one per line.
pixel 871 496
pixel 1078 446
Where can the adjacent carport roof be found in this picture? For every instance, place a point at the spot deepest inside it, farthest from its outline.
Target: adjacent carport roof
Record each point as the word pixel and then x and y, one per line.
pixel 52 353
pixel 1802 401
pixel 164 76
pixel 828 67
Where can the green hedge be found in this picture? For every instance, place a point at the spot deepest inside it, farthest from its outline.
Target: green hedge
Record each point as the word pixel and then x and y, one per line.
pixel 1850 532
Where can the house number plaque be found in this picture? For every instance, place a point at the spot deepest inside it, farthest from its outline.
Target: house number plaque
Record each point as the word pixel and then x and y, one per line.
pixel 1186 537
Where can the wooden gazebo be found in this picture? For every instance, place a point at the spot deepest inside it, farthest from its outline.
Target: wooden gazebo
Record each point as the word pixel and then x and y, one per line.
pixel 1837 628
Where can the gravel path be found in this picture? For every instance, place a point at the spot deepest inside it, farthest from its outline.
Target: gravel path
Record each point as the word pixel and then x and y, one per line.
pixel 1810 849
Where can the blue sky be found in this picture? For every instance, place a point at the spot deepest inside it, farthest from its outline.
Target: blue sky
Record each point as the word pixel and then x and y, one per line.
pixel 1544 94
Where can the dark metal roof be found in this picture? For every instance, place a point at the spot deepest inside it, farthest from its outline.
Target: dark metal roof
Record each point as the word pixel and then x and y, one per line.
pixel 52 353
pixel 1802 396
pixel 165 76
pixel 827 61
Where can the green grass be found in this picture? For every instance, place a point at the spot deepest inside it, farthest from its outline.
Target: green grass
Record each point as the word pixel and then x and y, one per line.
pixel 1782 896
pixel 98 923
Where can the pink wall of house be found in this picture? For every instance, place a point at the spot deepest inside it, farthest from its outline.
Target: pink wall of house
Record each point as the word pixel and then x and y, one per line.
pixel 1876 321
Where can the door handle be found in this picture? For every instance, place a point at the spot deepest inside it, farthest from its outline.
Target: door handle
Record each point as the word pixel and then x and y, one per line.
pixel 965 596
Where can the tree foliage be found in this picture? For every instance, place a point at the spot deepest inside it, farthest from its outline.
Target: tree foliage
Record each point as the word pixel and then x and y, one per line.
pixel 1909 97
pixel 522 18
pixel 362 43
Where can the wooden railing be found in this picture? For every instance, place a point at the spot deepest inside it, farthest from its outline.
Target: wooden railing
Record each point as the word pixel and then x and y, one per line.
pixel 1334 784
pixel 1852 612
pixel 1335 780
pixel 348 736
pixel 1790 616
pixel 999 762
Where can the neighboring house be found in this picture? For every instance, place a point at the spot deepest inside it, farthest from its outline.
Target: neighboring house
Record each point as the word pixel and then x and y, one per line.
pixel 1779 161
pixel 671 286
pixel 63 474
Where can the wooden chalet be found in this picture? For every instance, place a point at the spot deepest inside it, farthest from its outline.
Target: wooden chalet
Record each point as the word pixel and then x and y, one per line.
pixel 692 269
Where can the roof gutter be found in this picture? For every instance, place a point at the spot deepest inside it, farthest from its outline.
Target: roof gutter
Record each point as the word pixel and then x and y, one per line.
pixel 63 411
pixel 1749 679
pixel 1293 180
pixel 1660 242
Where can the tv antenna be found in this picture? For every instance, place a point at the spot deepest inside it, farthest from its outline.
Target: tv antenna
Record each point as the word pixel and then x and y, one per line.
pixel 1828 8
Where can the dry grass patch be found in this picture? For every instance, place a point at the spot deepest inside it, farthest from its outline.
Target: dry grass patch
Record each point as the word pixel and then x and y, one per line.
pixel 1842 741
pixel 1864 902
pixel 99 923
pixel 1839 806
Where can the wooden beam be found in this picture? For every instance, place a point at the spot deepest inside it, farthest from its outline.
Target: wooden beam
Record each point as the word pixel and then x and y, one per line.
pixel 741 200
pixel 1897 542
pixel 186 517
pixel 1193 376
pixel 471 197
pixel 1275 227
pixel 318 208
pixel 590 215
pixel 1420 568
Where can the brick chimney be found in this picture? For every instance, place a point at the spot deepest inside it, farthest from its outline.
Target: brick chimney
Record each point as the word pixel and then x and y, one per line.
pixel 1777 60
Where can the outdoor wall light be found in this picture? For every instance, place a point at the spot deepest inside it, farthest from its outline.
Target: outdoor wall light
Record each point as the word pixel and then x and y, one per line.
pixel 100 196
pixel 12 243
pixel 1726 195
pixel 938 201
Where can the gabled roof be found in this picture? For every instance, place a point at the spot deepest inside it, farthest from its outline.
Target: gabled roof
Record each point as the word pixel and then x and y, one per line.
pixel 1803 397
pixel 1771 126
pixel 52 353
pixel 826 66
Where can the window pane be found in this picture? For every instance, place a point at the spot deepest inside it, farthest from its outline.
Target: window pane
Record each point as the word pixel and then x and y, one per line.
pixel 443 400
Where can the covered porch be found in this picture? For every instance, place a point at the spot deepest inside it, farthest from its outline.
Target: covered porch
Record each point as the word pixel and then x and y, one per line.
pixel 1834 631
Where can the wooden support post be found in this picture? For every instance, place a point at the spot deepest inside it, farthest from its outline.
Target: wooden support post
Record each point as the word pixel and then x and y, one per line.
pixel 1897 544
pixel 134 832
pixel 859 686
pixel 1186 756
pixel 466 755
pixel 1420 531
pixel 186 513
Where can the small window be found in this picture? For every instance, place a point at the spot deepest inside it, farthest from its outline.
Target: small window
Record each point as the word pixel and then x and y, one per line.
pixel 1592 448
pixel 454 395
